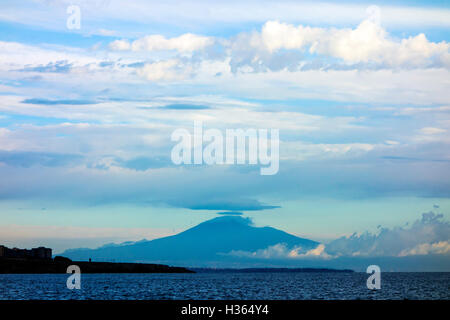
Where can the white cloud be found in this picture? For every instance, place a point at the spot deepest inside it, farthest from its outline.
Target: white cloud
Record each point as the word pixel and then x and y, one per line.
pixel 15 55
pixel 276 35
pixel 431 130
pixel 391 142
pixel 430 234
pixel 318 252
pixel 185 43
pixel 106 32
pixel 367 43
pixel 281 251
pixel 168 70
pixel 423 110
pixel 441 247
pixel 265 63
pixel 418 86
pixel 120 45
pixel 298 150
pixel 281 45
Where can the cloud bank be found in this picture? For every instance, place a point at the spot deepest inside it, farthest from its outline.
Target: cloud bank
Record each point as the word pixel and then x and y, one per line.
pixel 428 235
pixel 283 46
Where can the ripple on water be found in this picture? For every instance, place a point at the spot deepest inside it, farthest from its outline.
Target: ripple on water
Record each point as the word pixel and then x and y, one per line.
pixel 227 286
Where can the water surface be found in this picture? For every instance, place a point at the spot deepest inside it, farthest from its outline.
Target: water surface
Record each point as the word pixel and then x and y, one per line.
pixel 226 286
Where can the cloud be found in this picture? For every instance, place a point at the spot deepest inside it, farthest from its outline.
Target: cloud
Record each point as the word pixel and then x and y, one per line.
pixel 106 32
pixel 366 46
pixel 119 129
pixel 427 235
pixel 194 15
pixel 180 106
pixel 227 204
pixel 275 36
pixel 280 46
pixel 247 53
pixel 284 46
pixel 281 251
pixel 49 102
pixel 231 213
pixel 369 42
pixel 120 45
pixel 167 70
pixel 27 159
pixel 431 130
pixel 145 163
pixel 52 61
pixel 422 110
pixel 245 71
pixel 442 247
pixel 52 67
pixel 187 42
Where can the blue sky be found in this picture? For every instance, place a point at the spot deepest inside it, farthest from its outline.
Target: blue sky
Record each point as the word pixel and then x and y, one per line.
pixel 359 92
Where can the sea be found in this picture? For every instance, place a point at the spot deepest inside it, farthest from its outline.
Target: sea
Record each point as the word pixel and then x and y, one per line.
pixel 225 286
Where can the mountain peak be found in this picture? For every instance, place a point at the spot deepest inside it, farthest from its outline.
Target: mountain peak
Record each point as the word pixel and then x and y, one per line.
pixel 208 242
pixel 229 219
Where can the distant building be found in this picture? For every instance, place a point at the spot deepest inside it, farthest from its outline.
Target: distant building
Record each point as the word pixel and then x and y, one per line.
pixel 41 253
pixel 34 253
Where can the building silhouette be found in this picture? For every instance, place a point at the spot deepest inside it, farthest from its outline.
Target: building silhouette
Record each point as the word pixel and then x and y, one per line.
pixel 34 253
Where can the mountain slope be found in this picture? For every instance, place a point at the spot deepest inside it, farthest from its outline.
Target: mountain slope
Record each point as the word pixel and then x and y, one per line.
pixel 206 242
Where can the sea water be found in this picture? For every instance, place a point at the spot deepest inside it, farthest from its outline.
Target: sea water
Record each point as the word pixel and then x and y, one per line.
pixel 226 286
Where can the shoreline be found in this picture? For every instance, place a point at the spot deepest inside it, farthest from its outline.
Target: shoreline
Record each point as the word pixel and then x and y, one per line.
pixel 21 266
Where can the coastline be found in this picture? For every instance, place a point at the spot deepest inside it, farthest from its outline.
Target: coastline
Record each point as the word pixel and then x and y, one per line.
pixel 22 266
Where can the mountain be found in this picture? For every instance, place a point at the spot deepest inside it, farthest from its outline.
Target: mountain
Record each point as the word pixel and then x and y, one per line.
pixel 208 243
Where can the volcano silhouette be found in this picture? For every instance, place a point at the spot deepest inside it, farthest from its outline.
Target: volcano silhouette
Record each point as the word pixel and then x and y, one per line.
pixel 210 241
